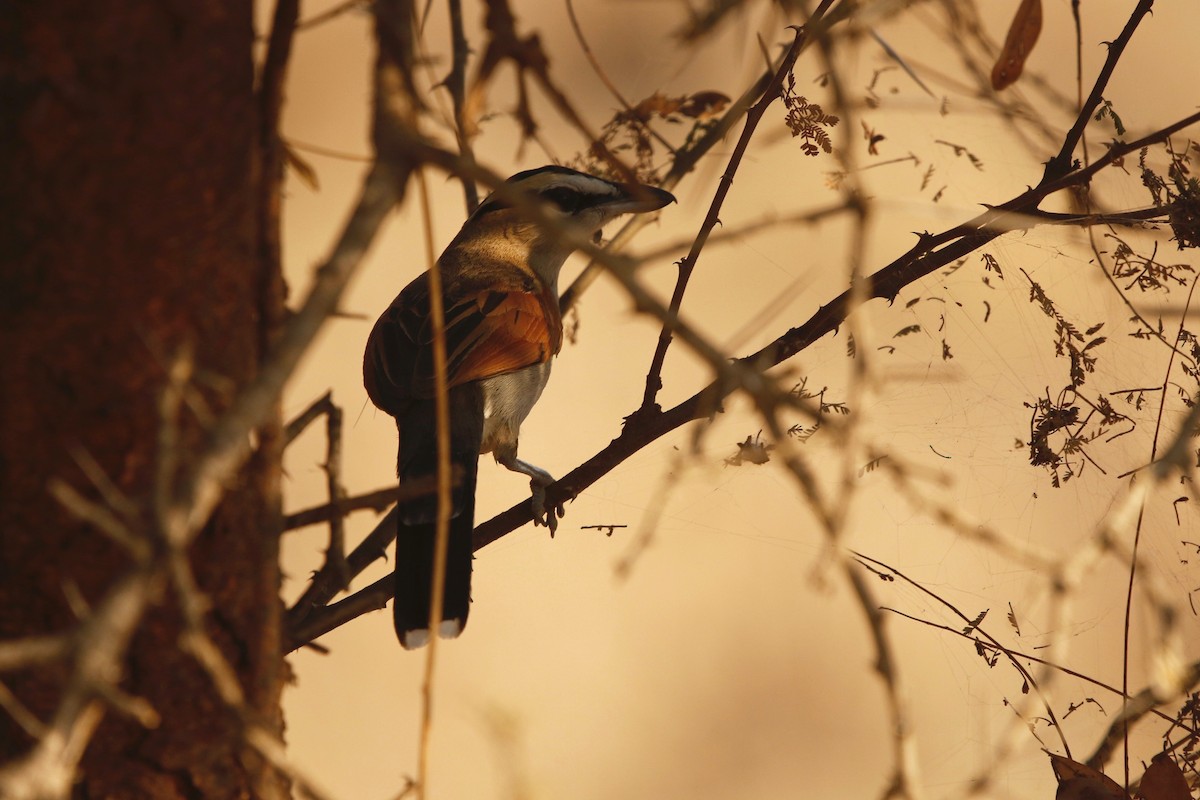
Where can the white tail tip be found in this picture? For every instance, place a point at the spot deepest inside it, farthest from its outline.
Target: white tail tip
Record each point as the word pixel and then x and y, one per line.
pixel 419 637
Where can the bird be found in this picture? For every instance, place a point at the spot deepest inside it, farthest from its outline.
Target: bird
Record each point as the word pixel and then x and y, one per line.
pixel 503 327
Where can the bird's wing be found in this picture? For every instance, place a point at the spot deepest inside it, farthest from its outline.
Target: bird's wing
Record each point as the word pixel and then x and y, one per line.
pixel 488 332
pixel 495 332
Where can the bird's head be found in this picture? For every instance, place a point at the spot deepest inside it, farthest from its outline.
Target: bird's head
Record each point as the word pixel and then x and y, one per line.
pixel 576 197
pixel 580 201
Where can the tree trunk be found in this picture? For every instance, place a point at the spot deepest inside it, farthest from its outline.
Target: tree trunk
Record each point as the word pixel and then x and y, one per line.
pixel 131 226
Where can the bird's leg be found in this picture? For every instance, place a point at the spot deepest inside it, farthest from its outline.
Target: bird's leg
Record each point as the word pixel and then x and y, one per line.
pixel 539 479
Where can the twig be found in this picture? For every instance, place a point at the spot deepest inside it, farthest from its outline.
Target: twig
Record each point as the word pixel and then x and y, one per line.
pixel 603 76
pixel 325 618
pixel 325 584
pixel 441 396
pixel 378 500
pixel 332 13
pixel 305 418
pixel 1137 531
pixel 97 659
pixel 101 517
pixel 456 82
pixel 335 512
pixel 20 714
pixel 336 554
pixel 1017 665
pixel 1134 708
pixel 688 264
pixel 273 156
pixel 1030 657
pixel 32 651
pixel 905 780
pixel 729 235
pixel 229 441
pixel 931 252
pixel 905 768
pixel 527 56
pixel 1060 164
pixel 269 747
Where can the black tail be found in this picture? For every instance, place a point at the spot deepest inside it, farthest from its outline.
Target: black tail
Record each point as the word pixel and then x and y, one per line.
pixel 414 570
pixel 416 534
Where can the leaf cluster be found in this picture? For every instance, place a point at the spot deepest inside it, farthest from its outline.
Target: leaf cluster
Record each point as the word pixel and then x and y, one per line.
pixel 629 132
pixel 1178 190
pixel 807 120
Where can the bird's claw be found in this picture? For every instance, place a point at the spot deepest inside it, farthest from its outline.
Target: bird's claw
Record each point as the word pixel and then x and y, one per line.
pixel 542 516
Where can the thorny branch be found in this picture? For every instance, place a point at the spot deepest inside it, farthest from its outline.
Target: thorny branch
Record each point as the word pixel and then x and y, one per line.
pixel 456 84
pixel 1061 164
pixel 931 252
pixel 339 505
pixel 688 264
pixel 528 57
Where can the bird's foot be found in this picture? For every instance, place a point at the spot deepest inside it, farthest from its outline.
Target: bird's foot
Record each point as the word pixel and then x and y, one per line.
pixel 539 479
pixel 541 515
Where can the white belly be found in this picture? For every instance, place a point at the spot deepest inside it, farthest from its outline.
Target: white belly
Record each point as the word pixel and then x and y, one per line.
pixel 507 400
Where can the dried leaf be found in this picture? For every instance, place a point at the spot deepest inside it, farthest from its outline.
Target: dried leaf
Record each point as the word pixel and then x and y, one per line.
pixel 752 451
pixel 698 105
pixel 871 466
pixel 1163 780
pixel 629 133
pixel 1080 782
pixel 1012 619
pixel 975 623
pixel 703 105
pixel 807 121
pixel 1022 36
pixel 657 103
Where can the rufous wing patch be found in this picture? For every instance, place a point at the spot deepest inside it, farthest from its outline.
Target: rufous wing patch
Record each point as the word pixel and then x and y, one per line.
pixel 510 333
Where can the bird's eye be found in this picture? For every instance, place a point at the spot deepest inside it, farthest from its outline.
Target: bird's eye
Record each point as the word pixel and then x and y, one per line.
pixel 568 201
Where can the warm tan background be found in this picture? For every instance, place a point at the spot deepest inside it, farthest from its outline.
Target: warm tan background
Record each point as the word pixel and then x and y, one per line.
pixel 731 663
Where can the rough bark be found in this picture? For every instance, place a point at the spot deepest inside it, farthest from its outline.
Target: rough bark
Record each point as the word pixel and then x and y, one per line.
pixel 130 221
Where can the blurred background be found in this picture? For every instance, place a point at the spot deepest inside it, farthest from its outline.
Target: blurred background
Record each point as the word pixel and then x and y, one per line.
pixel 731 660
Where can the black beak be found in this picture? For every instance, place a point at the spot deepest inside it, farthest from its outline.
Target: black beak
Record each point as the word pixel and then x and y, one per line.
pixel 640 198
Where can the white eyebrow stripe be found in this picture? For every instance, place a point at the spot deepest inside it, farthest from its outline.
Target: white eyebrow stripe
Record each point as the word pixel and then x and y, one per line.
pixel 585 184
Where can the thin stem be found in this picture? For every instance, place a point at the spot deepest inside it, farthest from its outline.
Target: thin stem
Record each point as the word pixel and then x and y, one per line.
pixel 688 264
pixel 1137 531
pixel 456 83
pixel 437 319
pixel 1060 164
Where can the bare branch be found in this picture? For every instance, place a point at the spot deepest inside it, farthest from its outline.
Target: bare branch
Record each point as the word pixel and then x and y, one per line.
pixel 770 94
pixel 377 501
pixel 456 82
pixel 1060 165
pixel 931 252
